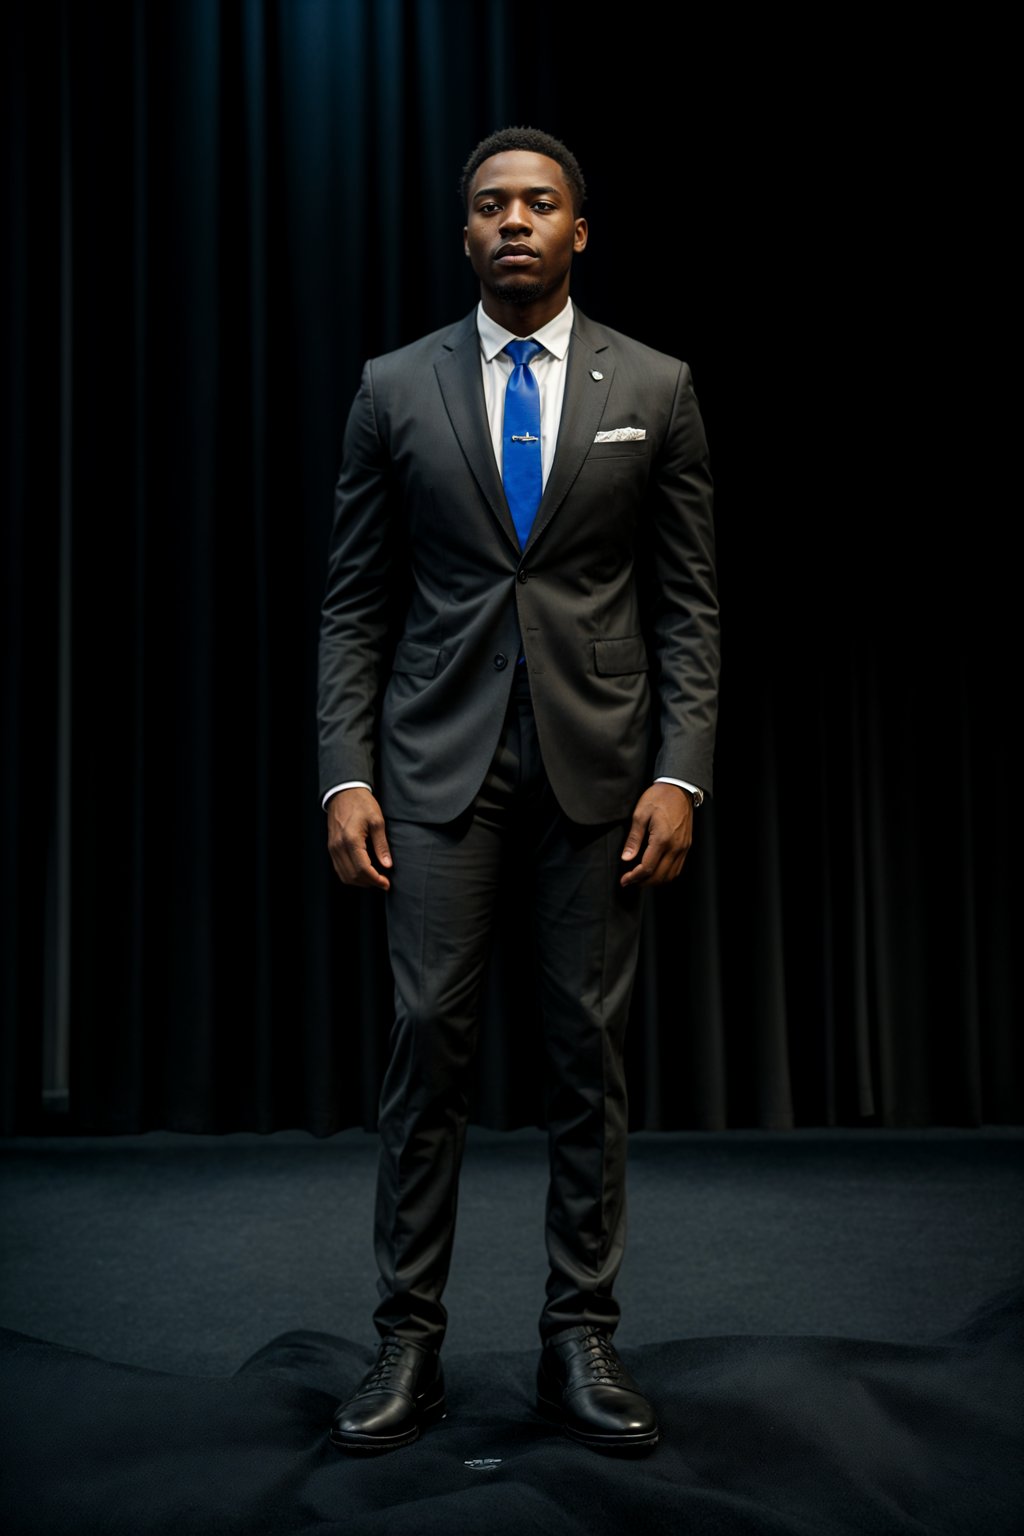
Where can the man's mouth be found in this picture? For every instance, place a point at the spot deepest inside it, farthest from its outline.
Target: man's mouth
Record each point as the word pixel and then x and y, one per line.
pixel 514 255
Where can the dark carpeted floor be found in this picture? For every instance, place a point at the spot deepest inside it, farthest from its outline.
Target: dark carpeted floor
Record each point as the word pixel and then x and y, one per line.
pixel 829 1323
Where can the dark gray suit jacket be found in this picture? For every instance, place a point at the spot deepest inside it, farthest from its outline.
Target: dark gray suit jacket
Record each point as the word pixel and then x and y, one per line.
pixel 614 595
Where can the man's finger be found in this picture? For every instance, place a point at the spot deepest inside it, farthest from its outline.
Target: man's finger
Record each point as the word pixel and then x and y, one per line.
pixel 647 869
pixel 361 872
pixel 380 844
pixel 369 876
pixel 634 837
pixel 662 863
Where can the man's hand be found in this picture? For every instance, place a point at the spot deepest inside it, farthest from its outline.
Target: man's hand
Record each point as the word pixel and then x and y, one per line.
pixel 355 824
pixel 664 818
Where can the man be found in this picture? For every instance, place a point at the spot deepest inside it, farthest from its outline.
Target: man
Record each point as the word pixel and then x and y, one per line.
pixel 538 489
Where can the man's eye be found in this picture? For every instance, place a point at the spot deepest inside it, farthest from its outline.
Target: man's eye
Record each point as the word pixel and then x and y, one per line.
pixel 487 208
pixel 545 207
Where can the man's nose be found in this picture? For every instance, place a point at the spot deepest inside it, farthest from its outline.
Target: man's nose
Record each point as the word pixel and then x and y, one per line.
pixel 517 216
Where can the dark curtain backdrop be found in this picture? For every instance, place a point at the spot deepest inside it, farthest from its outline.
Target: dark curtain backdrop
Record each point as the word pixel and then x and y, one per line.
pixel 213 213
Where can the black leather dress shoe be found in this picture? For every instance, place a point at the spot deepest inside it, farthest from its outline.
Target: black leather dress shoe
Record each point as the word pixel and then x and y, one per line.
pixel 400 1393
pixel 584 1386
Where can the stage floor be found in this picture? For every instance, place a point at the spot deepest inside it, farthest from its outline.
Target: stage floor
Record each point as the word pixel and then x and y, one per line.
pixel 186 1253
pixel 830 1325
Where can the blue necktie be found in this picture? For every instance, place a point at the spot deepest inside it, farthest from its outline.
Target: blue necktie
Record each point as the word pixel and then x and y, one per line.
pixel 521 462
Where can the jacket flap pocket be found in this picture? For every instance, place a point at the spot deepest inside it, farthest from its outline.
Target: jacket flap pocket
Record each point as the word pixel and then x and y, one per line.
pixel 416 659
pixel 614 658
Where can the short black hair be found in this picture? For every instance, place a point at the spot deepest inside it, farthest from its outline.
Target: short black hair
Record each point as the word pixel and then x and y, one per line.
pixel 538 143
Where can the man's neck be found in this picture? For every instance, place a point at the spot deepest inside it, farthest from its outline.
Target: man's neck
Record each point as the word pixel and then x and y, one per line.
pixel 524 319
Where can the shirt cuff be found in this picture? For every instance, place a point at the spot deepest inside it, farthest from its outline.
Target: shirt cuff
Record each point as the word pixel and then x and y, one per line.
pixel 349 784
pixel 698 794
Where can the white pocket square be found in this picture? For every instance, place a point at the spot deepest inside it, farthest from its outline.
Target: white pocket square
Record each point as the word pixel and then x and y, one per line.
pixel 622 435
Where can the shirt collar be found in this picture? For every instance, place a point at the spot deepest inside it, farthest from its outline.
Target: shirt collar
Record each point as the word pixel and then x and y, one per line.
pixel 554 336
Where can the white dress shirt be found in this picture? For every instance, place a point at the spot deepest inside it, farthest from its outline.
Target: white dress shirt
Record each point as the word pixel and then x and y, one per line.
pixel 548 368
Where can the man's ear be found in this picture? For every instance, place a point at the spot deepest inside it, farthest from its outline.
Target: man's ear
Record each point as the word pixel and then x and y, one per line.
pixel 580 241
pixel 465 241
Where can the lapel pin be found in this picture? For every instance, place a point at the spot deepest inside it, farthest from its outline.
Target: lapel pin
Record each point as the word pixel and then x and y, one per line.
pixel 595 374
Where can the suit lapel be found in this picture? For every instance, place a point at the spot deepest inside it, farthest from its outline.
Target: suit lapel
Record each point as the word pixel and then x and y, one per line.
pixel 582 408
pixel 461 385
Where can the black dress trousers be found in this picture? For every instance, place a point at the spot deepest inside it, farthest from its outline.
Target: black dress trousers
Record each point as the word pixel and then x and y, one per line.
pixel 440 909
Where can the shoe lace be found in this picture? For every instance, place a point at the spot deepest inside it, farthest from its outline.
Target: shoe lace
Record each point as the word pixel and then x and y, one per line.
pixel 381 1371
pixel 604 1362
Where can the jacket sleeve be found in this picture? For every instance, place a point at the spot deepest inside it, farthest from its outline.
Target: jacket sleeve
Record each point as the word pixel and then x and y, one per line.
pixel 682 597
pixel 354 618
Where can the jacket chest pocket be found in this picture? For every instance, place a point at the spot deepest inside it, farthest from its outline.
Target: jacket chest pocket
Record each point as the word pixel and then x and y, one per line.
pixel 621 466
pixel 635 448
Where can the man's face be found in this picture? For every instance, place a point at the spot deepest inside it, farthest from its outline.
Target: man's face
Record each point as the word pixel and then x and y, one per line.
pixel 521 233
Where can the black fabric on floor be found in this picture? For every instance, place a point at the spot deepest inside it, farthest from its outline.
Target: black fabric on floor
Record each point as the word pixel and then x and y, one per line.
pixel 761 1435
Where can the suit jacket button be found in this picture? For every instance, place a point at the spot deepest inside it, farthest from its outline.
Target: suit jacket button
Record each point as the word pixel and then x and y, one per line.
pixel 523 576
pixel 500 661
